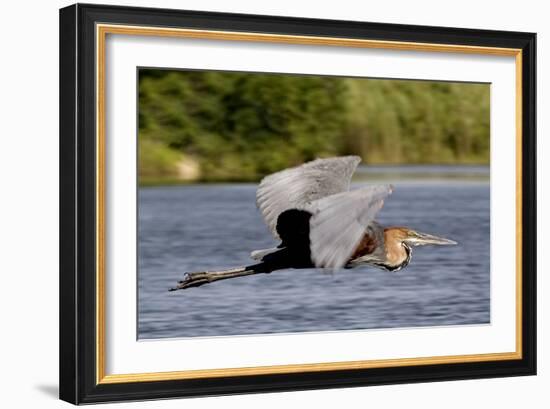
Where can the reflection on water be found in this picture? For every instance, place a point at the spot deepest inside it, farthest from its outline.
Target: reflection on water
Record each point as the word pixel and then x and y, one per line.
pixel 198 227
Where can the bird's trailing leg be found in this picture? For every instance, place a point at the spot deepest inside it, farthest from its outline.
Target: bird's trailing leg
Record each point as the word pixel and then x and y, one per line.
pixel 199 278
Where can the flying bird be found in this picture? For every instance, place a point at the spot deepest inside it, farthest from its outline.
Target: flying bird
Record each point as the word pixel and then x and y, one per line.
pixel 321 223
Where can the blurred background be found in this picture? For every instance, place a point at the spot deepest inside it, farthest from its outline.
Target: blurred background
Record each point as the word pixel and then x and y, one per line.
pixel 225 126
pixel 207 138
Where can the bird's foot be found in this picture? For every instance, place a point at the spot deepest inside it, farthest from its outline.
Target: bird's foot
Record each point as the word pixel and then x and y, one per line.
pixel 199 278
pixel 190 276
pixel 195 279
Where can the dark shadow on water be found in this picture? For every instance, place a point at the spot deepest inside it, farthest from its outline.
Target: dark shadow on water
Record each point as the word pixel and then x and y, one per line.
pixel 50 390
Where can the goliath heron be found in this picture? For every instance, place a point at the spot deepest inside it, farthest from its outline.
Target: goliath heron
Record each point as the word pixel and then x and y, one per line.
pixel 323 224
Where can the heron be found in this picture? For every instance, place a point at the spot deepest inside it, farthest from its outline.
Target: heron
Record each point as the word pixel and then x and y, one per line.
pixel 322 224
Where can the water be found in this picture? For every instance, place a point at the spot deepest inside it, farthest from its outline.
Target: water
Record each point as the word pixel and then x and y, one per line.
pixel 209 227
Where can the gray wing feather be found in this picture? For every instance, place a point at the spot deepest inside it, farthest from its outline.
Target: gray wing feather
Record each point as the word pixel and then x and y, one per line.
pixel 296 187
pixel 339 223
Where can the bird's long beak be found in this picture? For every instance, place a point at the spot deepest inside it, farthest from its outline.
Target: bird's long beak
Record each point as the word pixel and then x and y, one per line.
pixel 421 239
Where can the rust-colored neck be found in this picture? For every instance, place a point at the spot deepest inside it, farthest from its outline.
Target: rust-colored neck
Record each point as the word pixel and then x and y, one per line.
pixel 396 253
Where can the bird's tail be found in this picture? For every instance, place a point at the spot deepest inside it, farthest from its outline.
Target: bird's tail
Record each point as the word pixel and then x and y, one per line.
pixel 198 278
pixel 260 254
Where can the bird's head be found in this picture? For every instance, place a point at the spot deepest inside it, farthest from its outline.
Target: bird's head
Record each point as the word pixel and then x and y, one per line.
pixel 414 238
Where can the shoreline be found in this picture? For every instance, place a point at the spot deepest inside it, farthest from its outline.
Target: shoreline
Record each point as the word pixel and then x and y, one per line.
pixel 365 173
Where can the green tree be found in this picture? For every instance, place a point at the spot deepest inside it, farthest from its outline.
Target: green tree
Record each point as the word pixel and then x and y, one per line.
pixel 242 126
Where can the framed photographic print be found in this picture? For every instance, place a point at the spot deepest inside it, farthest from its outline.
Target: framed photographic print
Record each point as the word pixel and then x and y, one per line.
pixel 257 203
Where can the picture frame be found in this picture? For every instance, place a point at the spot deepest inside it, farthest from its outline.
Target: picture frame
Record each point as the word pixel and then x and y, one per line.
pixel 83 219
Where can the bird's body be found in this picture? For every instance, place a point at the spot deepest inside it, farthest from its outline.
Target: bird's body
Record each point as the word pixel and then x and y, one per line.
pixel 322 224
pixel 381 247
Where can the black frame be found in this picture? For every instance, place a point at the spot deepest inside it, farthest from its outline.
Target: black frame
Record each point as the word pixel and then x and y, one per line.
pixel 77 204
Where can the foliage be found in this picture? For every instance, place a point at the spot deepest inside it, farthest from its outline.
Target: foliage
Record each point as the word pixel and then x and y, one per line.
pixel 156 159
pixel 241 126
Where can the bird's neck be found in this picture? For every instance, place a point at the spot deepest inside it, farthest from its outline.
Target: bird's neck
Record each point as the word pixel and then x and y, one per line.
pixel 398 254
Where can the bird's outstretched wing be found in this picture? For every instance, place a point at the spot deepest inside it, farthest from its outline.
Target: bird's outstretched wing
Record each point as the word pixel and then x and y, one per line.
pixel 294 188
pixel 339 222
